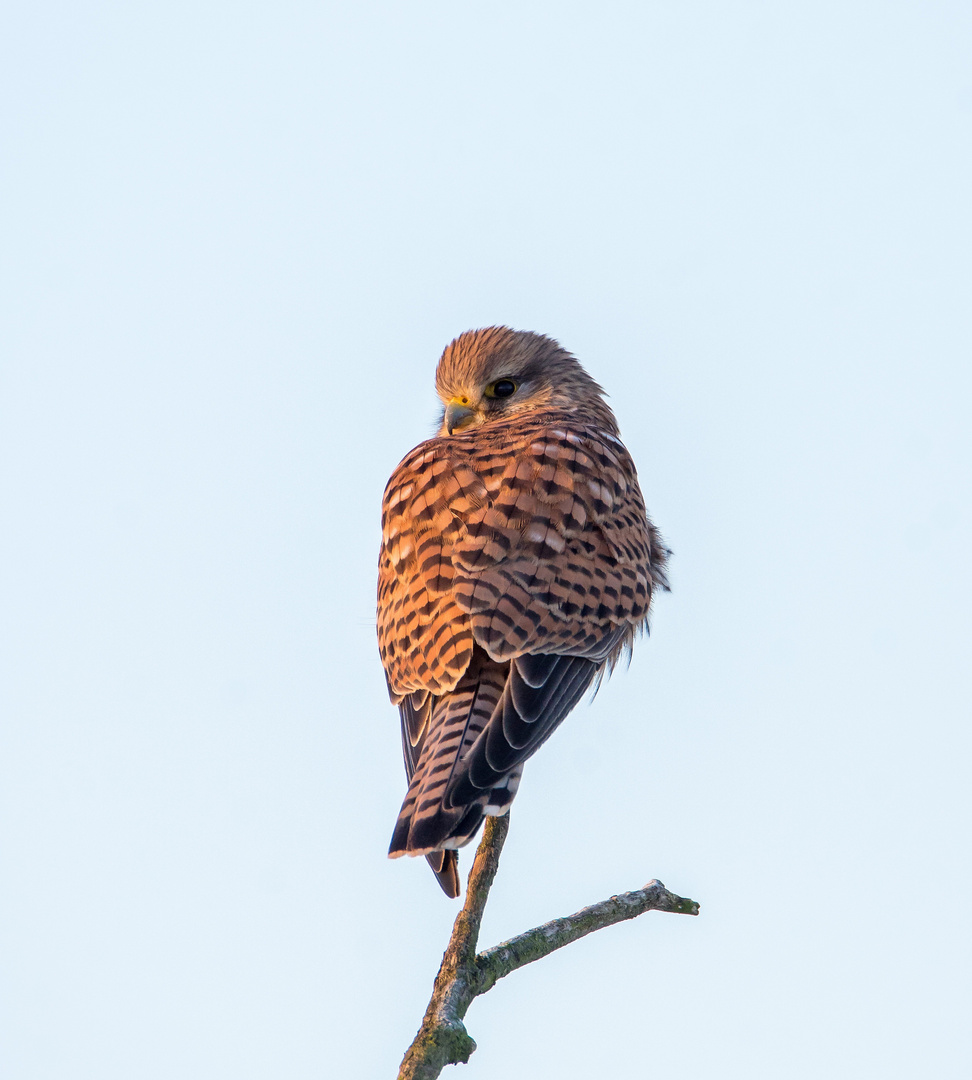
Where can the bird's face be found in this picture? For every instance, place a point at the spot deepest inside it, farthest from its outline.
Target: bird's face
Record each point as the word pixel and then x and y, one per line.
pixel 497 373
pixel 494 395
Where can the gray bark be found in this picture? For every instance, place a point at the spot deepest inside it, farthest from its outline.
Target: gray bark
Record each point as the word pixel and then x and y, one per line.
pixel 465 974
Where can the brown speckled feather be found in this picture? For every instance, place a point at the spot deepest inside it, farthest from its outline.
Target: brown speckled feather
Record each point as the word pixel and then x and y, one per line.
pixel 517 562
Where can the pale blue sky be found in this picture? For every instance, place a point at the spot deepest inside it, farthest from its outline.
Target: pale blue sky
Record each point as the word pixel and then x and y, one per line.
pixel 235 240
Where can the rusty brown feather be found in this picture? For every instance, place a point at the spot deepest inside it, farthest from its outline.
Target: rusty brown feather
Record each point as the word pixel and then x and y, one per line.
pixel 517 564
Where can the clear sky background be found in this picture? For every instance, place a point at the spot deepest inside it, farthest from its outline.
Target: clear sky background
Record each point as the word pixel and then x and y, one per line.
pixel 236 238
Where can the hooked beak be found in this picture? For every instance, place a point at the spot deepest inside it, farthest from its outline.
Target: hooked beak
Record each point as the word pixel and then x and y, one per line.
pixel 458 416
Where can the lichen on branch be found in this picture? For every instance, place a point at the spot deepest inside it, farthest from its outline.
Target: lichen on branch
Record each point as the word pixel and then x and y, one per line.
pixel 465 974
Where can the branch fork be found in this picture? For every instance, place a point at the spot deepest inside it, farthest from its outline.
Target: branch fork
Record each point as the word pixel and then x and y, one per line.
pixel 465 974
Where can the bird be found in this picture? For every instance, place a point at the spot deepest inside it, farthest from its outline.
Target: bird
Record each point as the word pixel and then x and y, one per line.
pixel 517 566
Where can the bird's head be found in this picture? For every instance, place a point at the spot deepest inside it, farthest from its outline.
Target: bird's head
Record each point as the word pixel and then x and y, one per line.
pixel 497 373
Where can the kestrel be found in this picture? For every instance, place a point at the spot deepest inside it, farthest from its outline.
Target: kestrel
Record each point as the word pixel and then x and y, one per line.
pixel 517 564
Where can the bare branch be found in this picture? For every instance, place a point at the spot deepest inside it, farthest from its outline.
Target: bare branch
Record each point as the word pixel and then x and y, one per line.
pixel 500 960
pixel 442 1039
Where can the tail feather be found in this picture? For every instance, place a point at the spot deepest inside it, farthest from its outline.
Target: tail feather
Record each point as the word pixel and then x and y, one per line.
pixel 464 751
pixel 445 866
pixel 426 823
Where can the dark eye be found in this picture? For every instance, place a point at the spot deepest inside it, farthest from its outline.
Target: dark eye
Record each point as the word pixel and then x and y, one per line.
pixel 503 388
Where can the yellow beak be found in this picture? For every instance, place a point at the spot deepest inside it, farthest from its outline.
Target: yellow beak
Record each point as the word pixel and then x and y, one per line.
pixel 458 416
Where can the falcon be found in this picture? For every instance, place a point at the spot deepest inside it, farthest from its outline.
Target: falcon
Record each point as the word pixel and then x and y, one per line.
pixel 517 565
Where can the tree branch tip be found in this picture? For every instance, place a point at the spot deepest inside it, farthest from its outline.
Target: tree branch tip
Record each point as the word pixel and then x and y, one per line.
pixel 678 905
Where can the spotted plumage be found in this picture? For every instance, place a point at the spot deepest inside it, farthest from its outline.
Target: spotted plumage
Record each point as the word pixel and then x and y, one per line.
pixel 517 564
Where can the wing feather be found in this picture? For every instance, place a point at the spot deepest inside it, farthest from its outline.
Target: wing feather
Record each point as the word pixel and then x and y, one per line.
pixel 517 564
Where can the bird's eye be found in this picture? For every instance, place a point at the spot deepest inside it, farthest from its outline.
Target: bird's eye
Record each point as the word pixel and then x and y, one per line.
pixel 501 388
